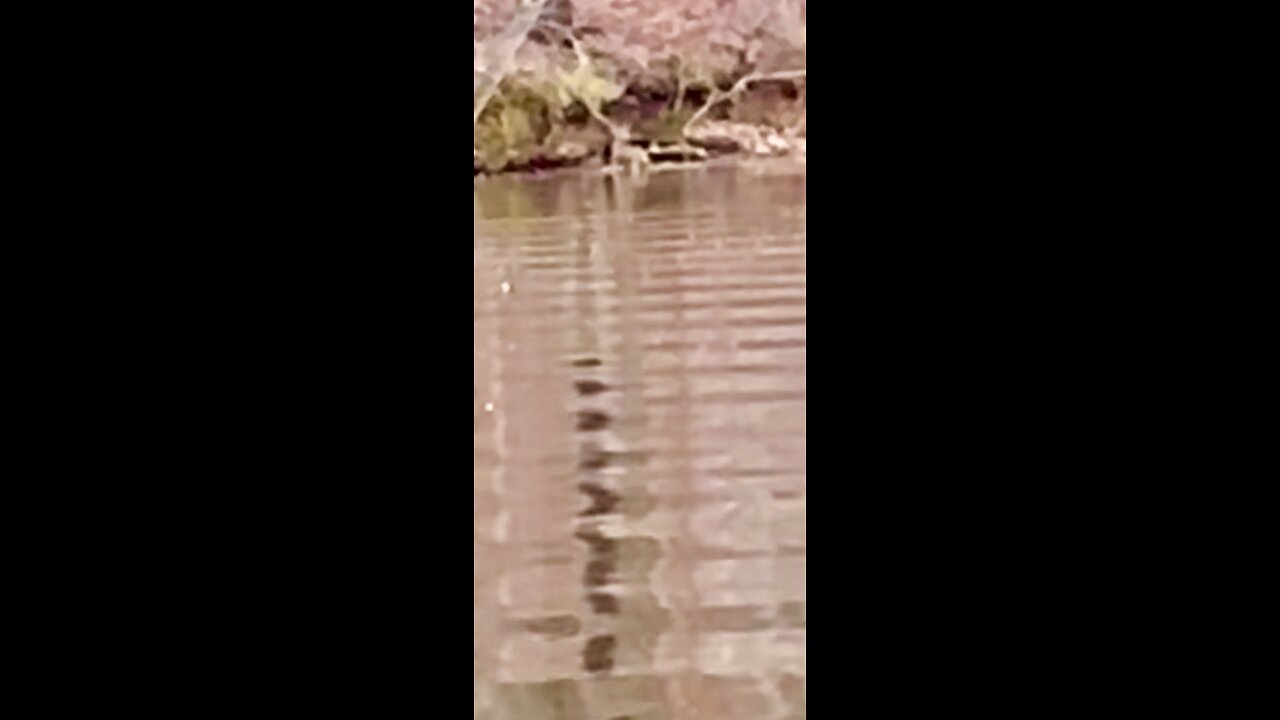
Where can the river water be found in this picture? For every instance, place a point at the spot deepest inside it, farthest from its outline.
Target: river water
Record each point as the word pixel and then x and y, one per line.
pixel 639 447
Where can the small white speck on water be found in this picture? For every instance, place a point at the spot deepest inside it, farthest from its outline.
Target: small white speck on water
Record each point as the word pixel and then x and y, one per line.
pixel 488 407
pixel 506 288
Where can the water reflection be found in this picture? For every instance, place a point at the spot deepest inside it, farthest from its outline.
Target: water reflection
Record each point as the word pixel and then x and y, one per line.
pixel 639 475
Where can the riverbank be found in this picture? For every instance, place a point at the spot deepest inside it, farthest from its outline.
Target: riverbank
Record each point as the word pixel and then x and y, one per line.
pixel 565 145
pixel 618 85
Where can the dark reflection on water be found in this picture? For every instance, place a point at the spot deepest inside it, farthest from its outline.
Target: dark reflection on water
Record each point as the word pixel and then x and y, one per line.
pixel 639 413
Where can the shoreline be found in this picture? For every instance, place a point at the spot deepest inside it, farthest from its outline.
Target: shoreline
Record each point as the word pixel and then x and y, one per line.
pixel 715 145
pixel 527 127
pixel 771 166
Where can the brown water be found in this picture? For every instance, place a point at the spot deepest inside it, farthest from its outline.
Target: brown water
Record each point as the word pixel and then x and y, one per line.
pixel 639 482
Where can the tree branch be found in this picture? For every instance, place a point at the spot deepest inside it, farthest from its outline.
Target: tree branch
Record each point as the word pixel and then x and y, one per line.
pixel 718 96
pixel 499 54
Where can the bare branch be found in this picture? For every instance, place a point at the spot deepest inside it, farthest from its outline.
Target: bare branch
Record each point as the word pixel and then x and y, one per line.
pixel 498 56
pixel 617 132
pixel 717 96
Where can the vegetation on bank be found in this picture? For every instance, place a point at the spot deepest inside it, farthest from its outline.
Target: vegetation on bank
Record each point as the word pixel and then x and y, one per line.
pixel 546 94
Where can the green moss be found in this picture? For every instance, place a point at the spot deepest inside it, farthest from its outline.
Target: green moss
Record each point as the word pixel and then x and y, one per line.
pixel 513 126
pixel 587 85
pixel 547 118
pixel 520 122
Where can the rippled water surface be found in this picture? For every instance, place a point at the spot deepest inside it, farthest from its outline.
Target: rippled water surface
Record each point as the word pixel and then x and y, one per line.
pixel 639 482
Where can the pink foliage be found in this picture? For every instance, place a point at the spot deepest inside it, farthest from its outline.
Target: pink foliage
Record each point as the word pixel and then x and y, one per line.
pixel 706 34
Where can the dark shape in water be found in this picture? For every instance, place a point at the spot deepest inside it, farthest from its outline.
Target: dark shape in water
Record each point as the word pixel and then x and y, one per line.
pixel 593 420
pixel 603 500
pixel 596 542
pixel 599 571
pixel 603 603
pixel 587 362
pixel 594 457
pixel 597 654
pixel 590 387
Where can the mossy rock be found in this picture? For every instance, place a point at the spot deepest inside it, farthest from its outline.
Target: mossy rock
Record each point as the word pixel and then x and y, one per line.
pixel 513 127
